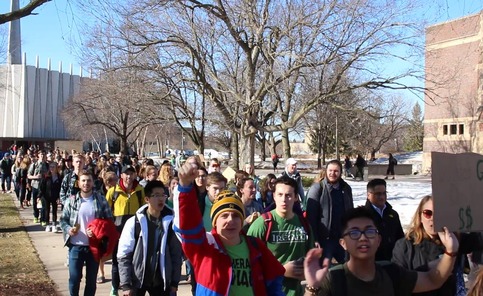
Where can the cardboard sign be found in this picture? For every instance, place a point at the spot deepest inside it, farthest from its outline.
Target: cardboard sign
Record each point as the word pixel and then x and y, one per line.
pixel 229 174
pixel 457 181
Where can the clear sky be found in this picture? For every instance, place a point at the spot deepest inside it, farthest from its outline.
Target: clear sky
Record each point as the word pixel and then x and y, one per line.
pixel 47 34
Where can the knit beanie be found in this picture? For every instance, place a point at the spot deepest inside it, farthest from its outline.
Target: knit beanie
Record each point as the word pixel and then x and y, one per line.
pixel 226 200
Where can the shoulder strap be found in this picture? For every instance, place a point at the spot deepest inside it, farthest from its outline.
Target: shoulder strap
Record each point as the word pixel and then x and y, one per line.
pixel 137 230
pixel 115 195
pixel 140 197
pixel 338 284
pixel 268 218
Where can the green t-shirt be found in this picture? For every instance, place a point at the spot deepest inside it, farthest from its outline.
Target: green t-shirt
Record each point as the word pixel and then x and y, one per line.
pixel 401 283
pixel 206 214
pixel 288 241
pixel 241 277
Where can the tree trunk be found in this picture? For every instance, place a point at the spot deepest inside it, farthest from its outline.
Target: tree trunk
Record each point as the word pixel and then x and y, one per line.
pixel 235 150
pixel 124 147
pixel 286 144
pixel 263 151
pixel 319 151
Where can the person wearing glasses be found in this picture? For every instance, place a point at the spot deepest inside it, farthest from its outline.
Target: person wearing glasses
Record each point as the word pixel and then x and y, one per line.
pixel 361 275
pixel 149 253
pixel 387 219
pixel 422 247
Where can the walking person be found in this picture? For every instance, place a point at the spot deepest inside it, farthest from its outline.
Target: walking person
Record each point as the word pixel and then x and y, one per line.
pixel 390 166
pixel 6 173
pixel 360 164
pixel 50 195
pixel 37 171
pixel 79 211
pixel 149 253
pixel 347 167
pixel 226 261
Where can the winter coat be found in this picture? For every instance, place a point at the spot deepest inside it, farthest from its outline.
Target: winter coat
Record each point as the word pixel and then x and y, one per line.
pixel 319 207
pixel 417 257
pixel 49 189
pixel 104 239
pixel 132 251
pixel 390 229
pixel 210 260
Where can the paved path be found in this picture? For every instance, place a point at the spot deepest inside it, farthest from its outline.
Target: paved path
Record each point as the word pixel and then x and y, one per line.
pixel 50 248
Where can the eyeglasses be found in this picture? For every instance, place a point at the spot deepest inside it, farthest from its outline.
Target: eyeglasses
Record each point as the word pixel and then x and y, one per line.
pixel 215 165
pixel 159 196
pixel 356 234
pixel 384 193
pixel 427 214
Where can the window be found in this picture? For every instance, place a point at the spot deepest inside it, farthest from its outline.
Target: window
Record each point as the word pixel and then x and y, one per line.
pixel 461 130
pixel 445 129
pixel 453 129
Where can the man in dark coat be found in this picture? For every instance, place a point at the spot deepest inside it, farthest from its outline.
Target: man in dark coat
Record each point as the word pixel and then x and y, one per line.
pixel 387 219
pixel 327 203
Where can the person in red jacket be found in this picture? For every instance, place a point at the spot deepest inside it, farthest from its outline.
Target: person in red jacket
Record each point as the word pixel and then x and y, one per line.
pixel 226 261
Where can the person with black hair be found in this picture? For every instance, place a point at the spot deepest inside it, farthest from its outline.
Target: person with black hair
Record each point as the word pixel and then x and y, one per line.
pixel 149 253
pixel 387 219
pixel 361 275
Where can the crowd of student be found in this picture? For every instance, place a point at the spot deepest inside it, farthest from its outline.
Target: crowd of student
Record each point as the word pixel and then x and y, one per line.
pixel 247 236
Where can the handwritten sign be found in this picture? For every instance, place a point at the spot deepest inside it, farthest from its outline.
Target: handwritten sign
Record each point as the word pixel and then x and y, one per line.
pixel 457 181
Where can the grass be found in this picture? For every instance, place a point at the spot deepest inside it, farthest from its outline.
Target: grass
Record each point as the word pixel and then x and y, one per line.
pixel 21 271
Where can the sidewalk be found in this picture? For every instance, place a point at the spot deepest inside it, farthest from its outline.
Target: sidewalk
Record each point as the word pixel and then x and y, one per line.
pixel 53 254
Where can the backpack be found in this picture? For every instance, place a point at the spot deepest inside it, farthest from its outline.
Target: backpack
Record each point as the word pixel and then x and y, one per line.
pixel 268 218
pixel 338 284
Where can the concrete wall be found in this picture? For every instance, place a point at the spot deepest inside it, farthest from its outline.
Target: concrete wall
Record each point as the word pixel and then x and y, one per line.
pixel 380 169
pixel 32 100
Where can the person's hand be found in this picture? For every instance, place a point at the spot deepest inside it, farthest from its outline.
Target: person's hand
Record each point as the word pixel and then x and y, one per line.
pixel 314 274
pixel 74 230
pixel 187 174
pixel 449 240
pixel 89 232
pixel 252 217
pixel 294 269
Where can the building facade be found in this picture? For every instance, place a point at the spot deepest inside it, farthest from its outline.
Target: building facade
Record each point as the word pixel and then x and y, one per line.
pixel 453 121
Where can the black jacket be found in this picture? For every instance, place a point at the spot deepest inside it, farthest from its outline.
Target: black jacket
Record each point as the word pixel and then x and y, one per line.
pixel 390 229
pixel 319 207
pixel 417 257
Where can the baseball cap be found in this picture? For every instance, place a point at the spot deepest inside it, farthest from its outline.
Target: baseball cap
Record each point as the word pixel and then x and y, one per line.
pixel 127 168
pixel 6 154
pixel 291 161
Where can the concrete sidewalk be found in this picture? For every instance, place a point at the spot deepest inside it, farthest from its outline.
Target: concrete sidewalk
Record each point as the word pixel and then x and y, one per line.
pixel 51 250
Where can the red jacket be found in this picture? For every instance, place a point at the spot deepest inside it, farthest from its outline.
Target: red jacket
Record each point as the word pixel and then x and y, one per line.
pixel 104 239
pixel 212 264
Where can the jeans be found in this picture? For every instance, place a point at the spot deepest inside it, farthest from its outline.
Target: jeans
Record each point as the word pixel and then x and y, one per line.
pixel 6 178
pixel 37 212
pixel 78 255
pixel 47 205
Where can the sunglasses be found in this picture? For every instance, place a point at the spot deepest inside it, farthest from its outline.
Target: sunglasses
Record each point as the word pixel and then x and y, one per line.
pixel 427 214
pixel 215 165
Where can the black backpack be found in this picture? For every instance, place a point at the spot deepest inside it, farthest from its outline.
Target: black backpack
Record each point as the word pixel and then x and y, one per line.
pixel 338 286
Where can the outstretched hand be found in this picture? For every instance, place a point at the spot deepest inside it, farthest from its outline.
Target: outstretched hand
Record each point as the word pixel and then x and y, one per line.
pixel 449 240
pixel 187 174
pixel 314 274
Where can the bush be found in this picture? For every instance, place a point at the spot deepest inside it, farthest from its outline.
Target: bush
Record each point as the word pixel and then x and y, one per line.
pixel 307 181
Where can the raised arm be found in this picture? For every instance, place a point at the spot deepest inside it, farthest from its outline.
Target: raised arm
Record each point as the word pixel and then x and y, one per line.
pixel 436 276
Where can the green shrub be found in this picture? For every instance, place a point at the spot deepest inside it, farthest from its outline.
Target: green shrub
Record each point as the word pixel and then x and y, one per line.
pixel 307 181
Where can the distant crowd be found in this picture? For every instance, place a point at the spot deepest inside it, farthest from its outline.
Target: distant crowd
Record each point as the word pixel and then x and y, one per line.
pixel 241 235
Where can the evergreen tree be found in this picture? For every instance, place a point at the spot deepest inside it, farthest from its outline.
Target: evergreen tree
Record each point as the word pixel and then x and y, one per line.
pixel 414 137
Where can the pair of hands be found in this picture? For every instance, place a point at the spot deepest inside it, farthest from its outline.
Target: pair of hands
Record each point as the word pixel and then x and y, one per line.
pixel 75 230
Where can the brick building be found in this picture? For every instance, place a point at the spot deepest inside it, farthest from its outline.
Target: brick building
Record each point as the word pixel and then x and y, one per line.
pixel 453 120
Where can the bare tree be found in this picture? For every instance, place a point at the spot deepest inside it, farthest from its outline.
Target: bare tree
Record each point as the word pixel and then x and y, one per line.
pixel 116 101
pixel 24 11
pixel 256 56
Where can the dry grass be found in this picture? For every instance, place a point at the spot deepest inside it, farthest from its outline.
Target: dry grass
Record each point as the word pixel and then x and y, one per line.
pixel 21 271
